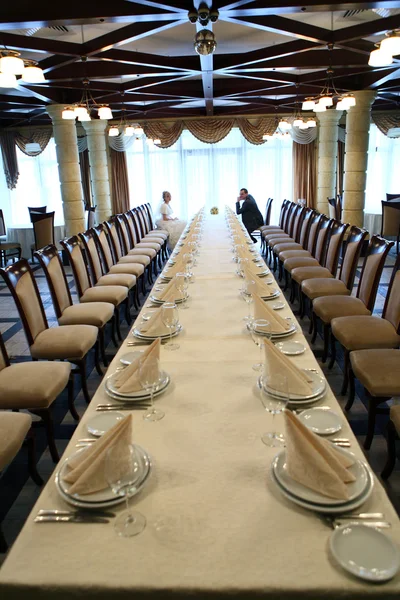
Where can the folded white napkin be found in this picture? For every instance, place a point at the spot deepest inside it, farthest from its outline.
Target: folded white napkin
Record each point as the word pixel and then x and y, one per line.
pixel 128 379
pixel 315 462
pixel 278 364
pixel 154 326
pixel 263 311
pixel 260 288
pixel 86 470
pixel 168 293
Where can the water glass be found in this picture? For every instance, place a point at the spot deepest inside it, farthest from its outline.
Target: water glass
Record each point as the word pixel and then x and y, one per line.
pixel 247 291
pixel 150 378
pixel 182 284
pixel 170 318
pixel 275 397
pixel 260 331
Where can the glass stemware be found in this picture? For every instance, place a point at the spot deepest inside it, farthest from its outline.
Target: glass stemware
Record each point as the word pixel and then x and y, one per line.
pixel 170 318
pixel 260 330
pixel 124 472
pixel 242 263
pixel 150 378
pixel 182 284
pixel 248 289
pixel 275 404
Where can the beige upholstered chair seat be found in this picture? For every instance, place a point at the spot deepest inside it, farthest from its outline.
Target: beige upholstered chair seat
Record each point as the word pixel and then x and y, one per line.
pixel 69 341
pixel 133 268
pixel 33 384
pixel 298 262
pixel 93 313
pixel 395 410
pixel 300 274
pixel 10 245
pixel 281 239
pixel 379 373
pixel 153 237
pixel 115 294
pixel 314 288
pixel 289 245
pixel 280 235
pixel 140 259
pixel 283 256
pixel 362 332
pixel 328 308
pixel 143 251
pixel 124 279
pixel 265 228
pixel 163 233
pixel 153 244
pixel 13 429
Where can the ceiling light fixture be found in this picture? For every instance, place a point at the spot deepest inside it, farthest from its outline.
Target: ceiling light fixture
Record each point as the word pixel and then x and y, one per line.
pixel 12 65
pixel 203 15
pixel 82 109
pixel 205 42
pixel 7 80
pixel 32 73
pixel 389 47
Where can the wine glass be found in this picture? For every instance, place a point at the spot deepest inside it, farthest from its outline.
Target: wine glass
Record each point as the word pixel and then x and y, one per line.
pixel 188 262
pixel 260 330
pixel 182 284
pixel 124 472
pixel 170 318
pixel 248 289
pixel 274 397
pixel 242 263
pixel 150 378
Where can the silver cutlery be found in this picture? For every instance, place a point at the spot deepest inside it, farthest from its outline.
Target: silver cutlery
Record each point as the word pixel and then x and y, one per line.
pixel 136 406
pixel 361 516
pixel 379 524
pixel 49 512
pixel 342 444
pixel 78 518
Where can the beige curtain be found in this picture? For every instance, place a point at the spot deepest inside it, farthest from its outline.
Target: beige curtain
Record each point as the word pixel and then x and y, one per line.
pixel 386 122
pixel 119 182
pixel 85 177
pixel 304 172
pixel 340 168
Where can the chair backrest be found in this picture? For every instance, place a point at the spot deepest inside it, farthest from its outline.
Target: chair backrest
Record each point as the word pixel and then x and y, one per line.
pixel 23 287
pixel 282 214
pixel 268 208
pixel 36 210
pixel 354 244
pixel 4 359
pixel 313 233
pixel 130 219
pixel 150 215
pixel 79 268
pixel 102 238
pixel 390 218
pixel 113 229
pixel 145 218
pixel 288 215
pixel 332 208
pixel 3 230
pixel 125 236
pixel 93 256
pixel 392 196
pixel 391 309
pixel 140 221
pixel 371 271
pixel 305 226
pixel 294 220
pixel 336 235
pixel 136 226
pixel 321 244
pixel 298 222
pixel 51 264
pixel 91 216
pixel 43 229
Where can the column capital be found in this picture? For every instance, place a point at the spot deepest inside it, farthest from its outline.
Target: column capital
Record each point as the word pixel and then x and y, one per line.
pixel 329 117
pixel 55 112
pixel 364 99
pixel 95 126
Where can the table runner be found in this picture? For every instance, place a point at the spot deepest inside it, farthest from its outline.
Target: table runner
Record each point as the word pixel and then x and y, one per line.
pixel 216 524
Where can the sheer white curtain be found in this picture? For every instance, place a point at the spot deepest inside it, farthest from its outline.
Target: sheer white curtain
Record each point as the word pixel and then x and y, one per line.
pixel 383 169
pixel 199 174
pixel 38 185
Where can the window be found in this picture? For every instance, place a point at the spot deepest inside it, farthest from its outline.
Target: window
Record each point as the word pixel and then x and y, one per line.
pixel 38 185
pixel 199 174
pixel 382 174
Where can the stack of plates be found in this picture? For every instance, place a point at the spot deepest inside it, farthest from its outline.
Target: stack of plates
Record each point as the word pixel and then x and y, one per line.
pixel 273 295
pixel 359 490
pixel 290 331
pixel 165 336
pixel 318 389
pixel 177 300
pixel 264 272
pixel 138 396
pixel 103 498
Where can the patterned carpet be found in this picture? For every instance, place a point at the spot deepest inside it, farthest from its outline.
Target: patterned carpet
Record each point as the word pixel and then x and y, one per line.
pixel 18 493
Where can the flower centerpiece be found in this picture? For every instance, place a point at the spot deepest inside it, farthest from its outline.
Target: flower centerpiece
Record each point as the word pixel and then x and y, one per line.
pixel 214 210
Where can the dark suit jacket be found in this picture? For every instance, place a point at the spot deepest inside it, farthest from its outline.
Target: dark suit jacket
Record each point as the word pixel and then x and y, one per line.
pixel 251 216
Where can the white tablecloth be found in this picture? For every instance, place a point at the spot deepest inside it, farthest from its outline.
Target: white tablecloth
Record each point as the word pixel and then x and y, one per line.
pixel 216 524
pixel 25 236
pixel 373 223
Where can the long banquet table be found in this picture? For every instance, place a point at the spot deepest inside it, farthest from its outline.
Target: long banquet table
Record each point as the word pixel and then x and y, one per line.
pixel 216 524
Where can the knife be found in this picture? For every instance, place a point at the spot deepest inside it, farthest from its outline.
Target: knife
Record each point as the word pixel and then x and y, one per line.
pixel 127 407
pixel 49 512
pixel 78 518
pixel 378 524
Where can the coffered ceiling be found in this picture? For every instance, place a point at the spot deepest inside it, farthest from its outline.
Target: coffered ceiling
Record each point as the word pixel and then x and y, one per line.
pixel 139 55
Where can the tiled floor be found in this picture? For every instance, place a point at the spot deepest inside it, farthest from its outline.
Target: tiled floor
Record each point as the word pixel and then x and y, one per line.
pixel 19 493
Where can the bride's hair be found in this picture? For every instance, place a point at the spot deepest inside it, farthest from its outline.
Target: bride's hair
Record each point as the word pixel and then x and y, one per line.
pixel 164 194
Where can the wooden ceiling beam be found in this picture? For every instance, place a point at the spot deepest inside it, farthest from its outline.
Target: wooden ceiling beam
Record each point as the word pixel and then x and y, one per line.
pixel 275 7
pixel 100 69
pixel 22 42
pixel 288 27
pixel 366 29
pixel 184 63
pixel 313 59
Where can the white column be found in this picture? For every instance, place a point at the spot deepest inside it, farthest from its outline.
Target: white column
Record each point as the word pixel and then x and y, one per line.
pixel 96 141
pixel 68 169
pixel 356 157
pixel 327 157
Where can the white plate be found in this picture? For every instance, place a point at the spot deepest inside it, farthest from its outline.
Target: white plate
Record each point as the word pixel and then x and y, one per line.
pixel 140 394
pixel 275 335
pixel 273 294
pixel 101 423
pixel 355 489
pixel 128 401
pixel 278 306
pixel 329 510
pixel 318 388
pixel 263 273
pixel 103 498
pixel 142 336
pixel 321 420
pixel 291 348
pixel 129 357
pixel 366 552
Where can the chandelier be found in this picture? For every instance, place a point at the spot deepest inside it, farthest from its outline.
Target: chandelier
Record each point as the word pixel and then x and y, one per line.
pixel 123 126
pixel 389 47
pixel 84 107
pixel 12 65
pixel 329 97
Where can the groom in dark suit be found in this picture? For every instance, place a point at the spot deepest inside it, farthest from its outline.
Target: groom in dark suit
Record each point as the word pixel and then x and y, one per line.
pixel 251 216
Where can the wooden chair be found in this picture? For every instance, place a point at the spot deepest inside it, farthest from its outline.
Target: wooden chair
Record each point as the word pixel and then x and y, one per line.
pixel 335 208
pixel 298 244
pixel 284 207
pixel 69 342
pixel 147 239
pixel 159 235
pixel 393 434
pixel 125 223
pixel 35 210
pixel 91 216
pixel 390 197
pixel 121 258
pixel 43 229
pixel 391 219
pixel 97 314
pixel 7 249
pixel 34 386
pixel 294 233
pixel 267 219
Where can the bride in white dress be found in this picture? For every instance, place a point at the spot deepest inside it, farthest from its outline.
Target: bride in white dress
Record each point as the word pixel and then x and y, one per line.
pixel 167 221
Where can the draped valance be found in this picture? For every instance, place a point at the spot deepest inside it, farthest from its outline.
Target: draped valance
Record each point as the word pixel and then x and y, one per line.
pixel 386 122
pixel 38 136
